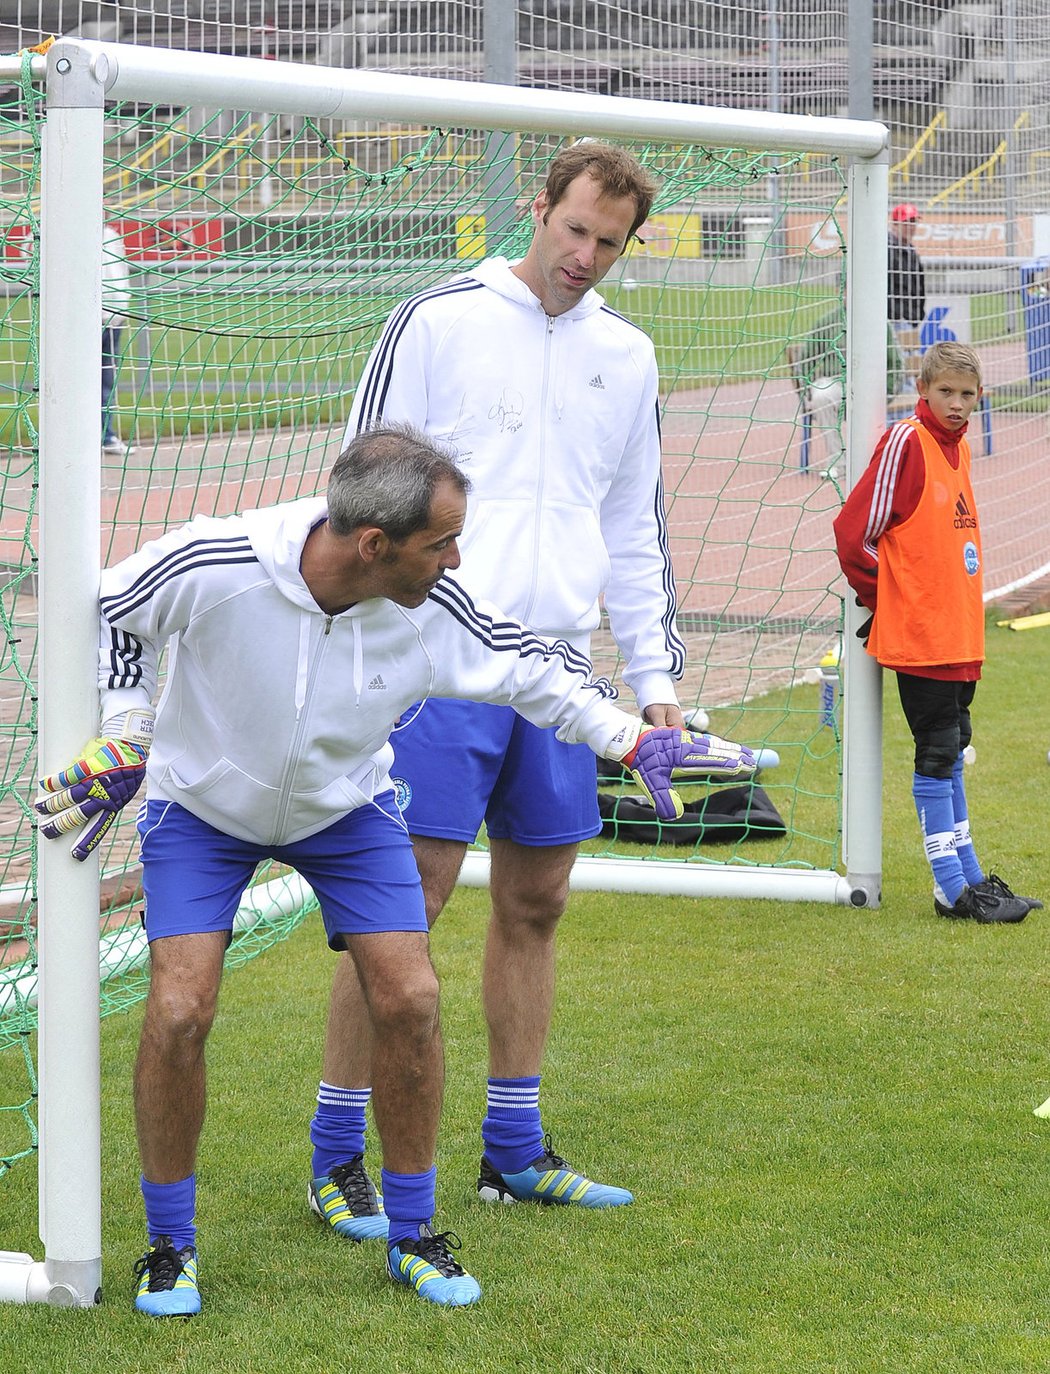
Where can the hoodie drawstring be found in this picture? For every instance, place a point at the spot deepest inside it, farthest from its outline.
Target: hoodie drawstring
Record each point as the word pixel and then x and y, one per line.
pixel 302 667
pixel 359 663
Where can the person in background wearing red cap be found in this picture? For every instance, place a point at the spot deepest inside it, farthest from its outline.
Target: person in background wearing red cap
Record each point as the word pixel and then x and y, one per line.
pixel 906 289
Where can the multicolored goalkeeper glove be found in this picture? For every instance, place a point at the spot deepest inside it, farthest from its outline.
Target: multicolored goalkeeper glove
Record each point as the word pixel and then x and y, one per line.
pixel 665 753
pixel 96 786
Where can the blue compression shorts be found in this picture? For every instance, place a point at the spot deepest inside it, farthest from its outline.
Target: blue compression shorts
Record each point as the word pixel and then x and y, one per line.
pixel 458 763
pixel 361 870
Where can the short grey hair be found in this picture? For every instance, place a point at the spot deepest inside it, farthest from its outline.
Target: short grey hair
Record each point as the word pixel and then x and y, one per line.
pixel 386 477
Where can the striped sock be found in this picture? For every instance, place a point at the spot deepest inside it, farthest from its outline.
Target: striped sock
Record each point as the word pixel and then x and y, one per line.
pixel 933 802
pixel 337 1131
pixel 512 1132
pixel 171 1209
pixel 971 868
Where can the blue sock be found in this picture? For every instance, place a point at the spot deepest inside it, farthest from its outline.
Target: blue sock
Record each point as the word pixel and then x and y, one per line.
pixel 409 1202
pixel 337 1131
pixel 512 1132
pixel 171 1209
pixel 933 802
pixel 972 870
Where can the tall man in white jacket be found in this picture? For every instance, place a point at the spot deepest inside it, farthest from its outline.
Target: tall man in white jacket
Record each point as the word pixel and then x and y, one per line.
pixel 297 636
pixel 550 400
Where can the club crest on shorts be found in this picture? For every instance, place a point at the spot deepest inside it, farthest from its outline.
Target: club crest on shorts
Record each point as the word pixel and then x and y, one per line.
pixel 402 793
pixel 970 557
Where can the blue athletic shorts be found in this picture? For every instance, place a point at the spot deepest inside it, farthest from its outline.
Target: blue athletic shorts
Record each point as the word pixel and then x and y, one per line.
pixel 458 763
pixel 361 870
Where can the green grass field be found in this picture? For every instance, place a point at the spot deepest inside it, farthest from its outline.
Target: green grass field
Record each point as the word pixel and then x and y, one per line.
pixel 825 1114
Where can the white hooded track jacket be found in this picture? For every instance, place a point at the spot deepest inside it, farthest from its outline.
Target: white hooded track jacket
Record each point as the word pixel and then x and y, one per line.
pixel 555 420
pixel 275 717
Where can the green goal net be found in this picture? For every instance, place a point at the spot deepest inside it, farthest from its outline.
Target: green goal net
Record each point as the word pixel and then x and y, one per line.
pixel 264 254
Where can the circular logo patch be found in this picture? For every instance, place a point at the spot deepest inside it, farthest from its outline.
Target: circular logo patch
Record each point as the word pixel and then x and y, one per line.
pixel 970 557
pixel 402 793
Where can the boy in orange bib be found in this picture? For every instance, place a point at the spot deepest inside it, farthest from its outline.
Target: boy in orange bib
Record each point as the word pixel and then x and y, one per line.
pixel 909 542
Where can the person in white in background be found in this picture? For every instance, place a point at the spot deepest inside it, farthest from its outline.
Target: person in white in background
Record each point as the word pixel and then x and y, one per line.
pixel 116 297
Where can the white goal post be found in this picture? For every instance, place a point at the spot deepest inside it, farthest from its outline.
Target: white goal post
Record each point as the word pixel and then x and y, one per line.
pixel 81 77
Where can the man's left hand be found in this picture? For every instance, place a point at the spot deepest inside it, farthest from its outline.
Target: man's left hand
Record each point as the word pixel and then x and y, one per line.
pixel 663 754
pixel 661 713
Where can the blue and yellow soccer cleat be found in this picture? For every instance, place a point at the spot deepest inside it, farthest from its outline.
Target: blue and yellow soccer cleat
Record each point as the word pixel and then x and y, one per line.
pixel 426 1265
pixel 167 1278
pixel 347 1200
pixel 548 1179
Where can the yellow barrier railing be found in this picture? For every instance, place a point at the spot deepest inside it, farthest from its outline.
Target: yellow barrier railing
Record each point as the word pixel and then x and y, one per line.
pixel 238 159
pixel 1035 163
pixel 903 169
pixel 145 158
pixel 988 169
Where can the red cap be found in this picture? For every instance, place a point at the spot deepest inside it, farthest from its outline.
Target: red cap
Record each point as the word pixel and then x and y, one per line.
pixel 904 212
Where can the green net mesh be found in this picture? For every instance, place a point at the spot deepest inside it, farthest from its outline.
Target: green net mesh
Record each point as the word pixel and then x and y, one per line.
pixel 264 255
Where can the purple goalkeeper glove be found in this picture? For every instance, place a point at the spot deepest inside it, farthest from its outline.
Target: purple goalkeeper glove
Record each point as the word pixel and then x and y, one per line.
pixel 91 791
pixel 665 753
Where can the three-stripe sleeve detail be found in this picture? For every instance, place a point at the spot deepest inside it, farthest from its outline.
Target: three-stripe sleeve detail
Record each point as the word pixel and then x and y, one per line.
pixel 187 558
pixel 885 486
pixel 675 645
pixel 376 382
pixel 512 637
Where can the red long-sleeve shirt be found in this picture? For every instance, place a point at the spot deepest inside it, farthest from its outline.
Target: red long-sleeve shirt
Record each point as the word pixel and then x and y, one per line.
pixel 885 495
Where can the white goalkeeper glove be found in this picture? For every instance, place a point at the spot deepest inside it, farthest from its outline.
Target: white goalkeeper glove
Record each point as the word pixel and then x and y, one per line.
pixel 92 790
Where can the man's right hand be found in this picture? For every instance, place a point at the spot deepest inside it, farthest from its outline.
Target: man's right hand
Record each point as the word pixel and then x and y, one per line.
pixel 93 789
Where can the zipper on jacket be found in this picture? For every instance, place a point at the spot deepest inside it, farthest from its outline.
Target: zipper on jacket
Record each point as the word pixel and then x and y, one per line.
pixel 548 349
pixel 302 716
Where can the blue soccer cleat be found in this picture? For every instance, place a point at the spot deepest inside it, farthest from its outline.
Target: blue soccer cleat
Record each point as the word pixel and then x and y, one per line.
pixel 347 1200
pixel 167 1278
pixel 426 1265
pixel 548 1179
